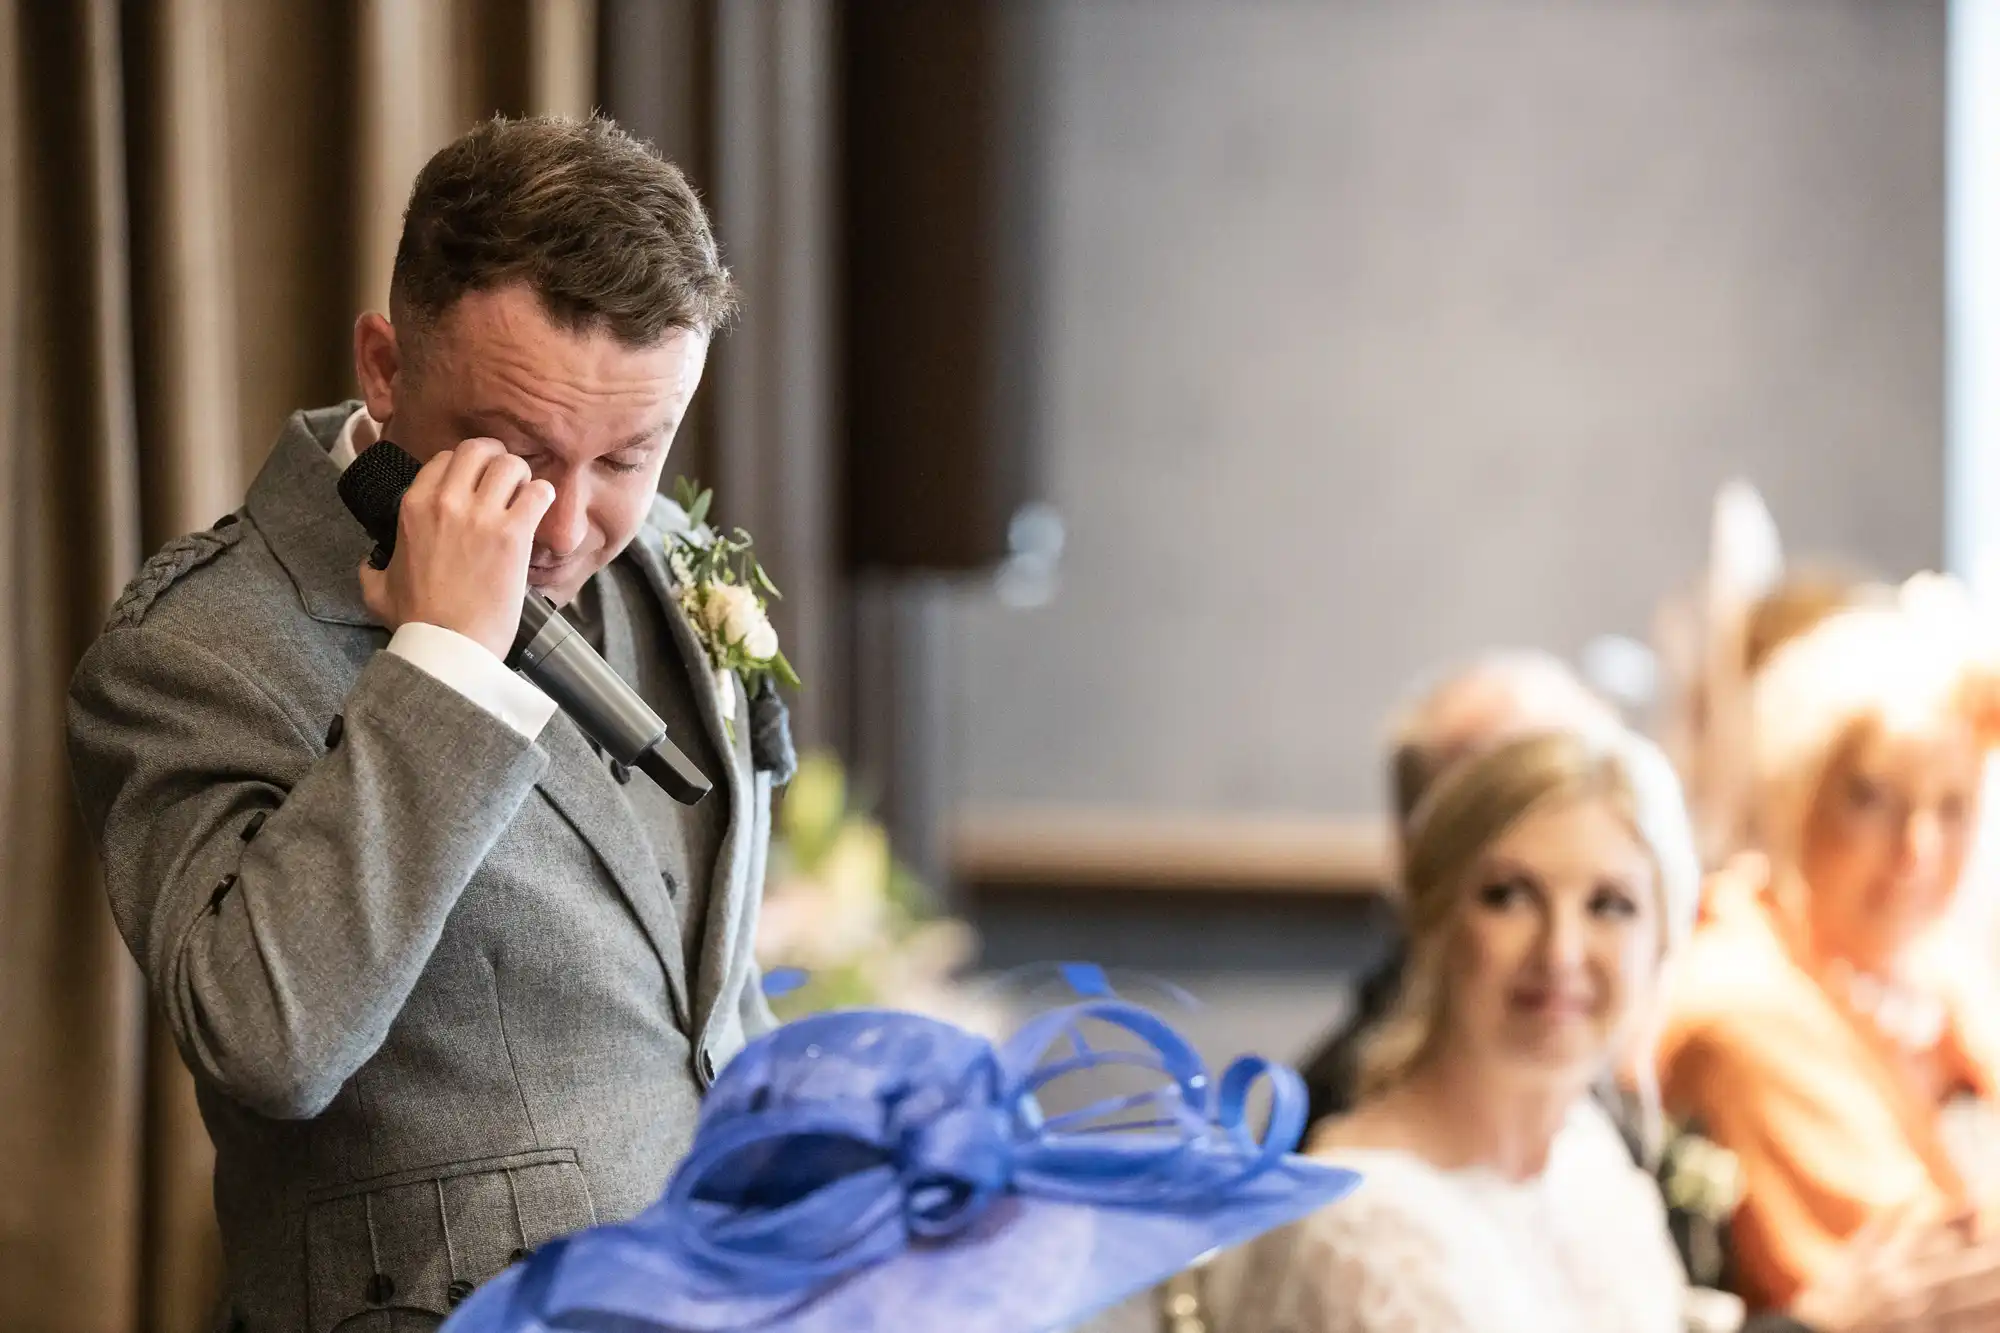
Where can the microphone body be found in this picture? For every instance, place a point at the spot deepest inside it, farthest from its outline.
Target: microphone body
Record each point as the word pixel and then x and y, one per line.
pixel 547 648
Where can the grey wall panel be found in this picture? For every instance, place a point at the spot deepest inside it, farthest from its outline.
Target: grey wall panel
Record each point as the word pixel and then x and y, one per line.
pixel 1375 333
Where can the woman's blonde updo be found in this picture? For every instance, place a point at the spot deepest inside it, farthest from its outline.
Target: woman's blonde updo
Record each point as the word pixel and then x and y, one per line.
pixel 1469 810
pixel 1922 658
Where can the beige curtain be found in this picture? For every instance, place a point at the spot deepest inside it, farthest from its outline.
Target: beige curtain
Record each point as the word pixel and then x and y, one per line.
pixel 196 196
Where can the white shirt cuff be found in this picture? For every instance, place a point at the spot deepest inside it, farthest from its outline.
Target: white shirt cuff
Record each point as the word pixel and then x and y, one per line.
pixel 477 674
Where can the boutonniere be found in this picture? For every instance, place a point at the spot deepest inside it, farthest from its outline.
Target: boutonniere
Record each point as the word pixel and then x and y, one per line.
pixel 723 590
pixel 1700 1177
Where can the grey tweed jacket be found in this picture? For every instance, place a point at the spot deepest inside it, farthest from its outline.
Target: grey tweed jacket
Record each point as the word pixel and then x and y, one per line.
pixel 427 973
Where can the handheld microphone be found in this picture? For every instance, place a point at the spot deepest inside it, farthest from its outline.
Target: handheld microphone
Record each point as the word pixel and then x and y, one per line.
pixel 547 648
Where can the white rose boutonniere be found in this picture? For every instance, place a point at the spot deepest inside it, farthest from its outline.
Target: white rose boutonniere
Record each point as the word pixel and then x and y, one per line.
pixel 722 589
pixel 1701 1177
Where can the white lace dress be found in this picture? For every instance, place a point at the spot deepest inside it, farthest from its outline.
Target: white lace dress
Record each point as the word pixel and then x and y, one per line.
pixel 1583 1248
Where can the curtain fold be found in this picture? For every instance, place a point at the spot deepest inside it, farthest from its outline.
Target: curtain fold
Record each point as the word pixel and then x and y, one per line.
pixel 73 1021
pixel 655 77
pixel 774 392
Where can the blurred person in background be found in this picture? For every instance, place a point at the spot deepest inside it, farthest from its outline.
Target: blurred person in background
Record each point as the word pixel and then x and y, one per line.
pixel 1712 643
pixel 1819 1025
pixel 1744 623
pixel 1544 880
pixel 1795 606
pixel 1495 697
pixel 1502 693
pixel 1468 709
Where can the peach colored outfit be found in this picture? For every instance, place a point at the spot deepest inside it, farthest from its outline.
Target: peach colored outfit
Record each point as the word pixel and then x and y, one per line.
pixel 1833 1123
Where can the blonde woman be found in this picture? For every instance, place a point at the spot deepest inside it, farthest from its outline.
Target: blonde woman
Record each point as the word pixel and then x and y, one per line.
pixel 1819 1025
pixel 1544 882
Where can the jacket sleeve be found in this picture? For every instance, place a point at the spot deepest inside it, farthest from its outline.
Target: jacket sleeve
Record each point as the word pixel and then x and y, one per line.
pixel 283 890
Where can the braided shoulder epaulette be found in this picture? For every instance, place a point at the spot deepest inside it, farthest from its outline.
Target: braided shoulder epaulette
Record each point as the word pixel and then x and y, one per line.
pixel 167 567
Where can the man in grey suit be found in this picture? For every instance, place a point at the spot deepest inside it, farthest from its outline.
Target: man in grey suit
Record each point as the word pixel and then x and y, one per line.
pixel 450 982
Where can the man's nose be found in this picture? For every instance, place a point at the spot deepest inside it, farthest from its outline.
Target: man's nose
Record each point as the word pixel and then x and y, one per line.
pixel 565 525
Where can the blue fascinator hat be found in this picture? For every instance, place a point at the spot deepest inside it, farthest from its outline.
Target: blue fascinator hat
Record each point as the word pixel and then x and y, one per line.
pixel 873 1170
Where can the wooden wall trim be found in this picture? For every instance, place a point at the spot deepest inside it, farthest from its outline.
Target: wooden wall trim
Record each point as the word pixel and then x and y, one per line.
pixel 1003 848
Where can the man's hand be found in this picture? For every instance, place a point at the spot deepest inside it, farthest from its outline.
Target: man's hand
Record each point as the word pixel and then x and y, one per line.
pixel 463 538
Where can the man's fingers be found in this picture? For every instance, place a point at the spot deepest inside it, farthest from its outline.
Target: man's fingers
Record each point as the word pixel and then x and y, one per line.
pixel 469 462
pixel 375 591
pixel 429 478
pixel 502 480
pixel 532 500
pixel 466 541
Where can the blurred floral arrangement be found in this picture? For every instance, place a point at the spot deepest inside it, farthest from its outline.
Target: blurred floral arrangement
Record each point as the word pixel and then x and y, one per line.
pixel 847 925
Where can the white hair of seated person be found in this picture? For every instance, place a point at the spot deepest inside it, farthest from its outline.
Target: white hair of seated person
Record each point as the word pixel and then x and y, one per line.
pixel 1502 693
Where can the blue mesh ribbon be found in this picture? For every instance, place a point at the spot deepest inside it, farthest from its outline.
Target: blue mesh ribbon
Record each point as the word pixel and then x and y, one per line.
pixel 842 1139
pixel 931 1165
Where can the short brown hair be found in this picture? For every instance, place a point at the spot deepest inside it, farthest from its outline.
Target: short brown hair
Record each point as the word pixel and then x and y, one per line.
pixel 604 231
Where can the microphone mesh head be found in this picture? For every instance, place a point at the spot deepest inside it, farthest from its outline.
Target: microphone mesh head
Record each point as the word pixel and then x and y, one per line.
pixel 372 489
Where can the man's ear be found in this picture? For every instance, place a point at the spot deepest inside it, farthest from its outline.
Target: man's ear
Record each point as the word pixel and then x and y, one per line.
pixel 378 364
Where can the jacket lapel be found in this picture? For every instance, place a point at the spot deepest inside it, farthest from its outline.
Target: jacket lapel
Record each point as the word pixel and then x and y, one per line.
pixel 578 785
pixel 729 925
